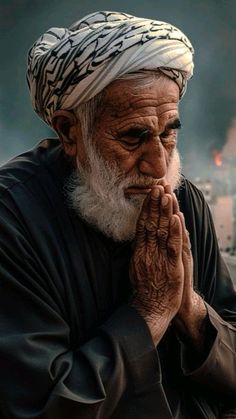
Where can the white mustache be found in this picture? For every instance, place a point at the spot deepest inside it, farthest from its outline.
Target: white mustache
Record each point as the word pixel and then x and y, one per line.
pixel 98 194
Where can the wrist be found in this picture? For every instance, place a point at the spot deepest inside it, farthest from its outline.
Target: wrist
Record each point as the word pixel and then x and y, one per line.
pixel 156 322
pixel 158 327
pixel 191 321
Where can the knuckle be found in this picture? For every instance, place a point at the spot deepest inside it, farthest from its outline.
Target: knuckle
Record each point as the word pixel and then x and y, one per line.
pixel 162 234
pixel 151 226
pixel 164 222
pixel 141 224
pixel 173 250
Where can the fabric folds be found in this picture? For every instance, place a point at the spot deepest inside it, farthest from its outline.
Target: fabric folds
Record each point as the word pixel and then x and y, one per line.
pixel 69 66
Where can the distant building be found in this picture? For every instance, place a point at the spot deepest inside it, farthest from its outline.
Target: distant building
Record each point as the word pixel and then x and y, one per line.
pixel 222 207
pixel 206 187
pixel 219 191
pixel 222 212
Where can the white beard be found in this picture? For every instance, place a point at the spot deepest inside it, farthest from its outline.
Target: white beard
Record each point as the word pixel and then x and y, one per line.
pixel 97 194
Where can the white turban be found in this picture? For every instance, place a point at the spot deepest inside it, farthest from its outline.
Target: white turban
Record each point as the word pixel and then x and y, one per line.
pixel 67 67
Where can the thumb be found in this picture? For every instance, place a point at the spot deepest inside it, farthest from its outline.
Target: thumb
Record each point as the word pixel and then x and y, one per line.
pixel 175 239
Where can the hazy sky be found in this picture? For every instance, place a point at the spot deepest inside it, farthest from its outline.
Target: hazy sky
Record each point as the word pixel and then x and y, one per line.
pixel 208 106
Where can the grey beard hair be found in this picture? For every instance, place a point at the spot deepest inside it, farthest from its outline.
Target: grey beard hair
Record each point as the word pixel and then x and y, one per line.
pixel 97 194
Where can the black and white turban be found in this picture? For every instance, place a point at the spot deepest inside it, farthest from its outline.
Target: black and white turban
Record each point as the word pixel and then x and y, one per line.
pixel 69 66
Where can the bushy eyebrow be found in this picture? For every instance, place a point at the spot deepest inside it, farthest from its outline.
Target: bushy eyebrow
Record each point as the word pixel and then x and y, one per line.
pixel 138 132
pixel 134 132
pixel 176 124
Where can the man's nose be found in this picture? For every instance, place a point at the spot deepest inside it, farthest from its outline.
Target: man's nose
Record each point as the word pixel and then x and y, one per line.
pixel 152 162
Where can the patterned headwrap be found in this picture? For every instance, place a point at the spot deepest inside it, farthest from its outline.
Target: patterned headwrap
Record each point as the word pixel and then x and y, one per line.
pixel 67 67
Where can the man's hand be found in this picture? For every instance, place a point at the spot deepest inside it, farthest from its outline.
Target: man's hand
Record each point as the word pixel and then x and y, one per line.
pixel 190 320
pixel 161 270
pixel 157 270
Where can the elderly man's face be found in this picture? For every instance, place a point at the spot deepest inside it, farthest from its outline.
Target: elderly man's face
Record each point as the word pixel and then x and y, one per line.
pixel 131 149
pixel 137 127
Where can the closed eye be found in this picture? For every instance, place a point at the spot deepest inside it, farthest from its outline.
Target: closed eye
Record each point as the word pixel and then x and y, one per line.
pixel 134 137
pixel 171 130
pixel 169 133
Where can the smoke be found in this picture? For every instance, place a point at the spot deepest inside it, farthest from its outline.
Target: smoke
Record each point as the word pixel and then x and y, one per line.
pixel 207 108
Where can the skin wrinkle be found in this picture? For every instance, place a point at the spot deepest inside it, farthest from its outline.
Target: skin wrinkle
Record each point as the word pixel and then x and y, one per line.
pixel 150 126
pixel 141 112
pixel 161 264
pixel 107 149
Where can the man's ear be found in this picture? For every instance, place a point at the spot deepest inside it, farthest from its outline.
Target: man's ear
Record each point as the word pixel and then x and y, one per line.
pixel 68 129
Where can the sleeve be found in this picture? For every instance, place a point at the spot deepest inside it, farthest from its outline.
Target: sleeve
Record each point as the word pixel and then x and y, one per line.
pixel 217 373
pixel 42 375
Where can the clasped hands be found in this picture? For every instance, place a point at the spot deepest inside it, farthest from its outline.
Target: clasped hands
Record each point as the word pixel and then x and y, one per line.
pixel 161 270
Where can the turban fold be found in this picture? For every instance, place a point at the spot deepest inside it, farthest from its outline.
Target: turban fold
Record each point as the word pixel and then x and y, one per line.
pixel 69 66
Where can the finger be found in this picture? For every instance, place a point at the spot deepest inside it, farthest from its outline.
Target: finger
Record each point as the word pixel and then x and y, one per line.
pixel 186 253
pixel 151 224
pixel 154 214
pixel 174 242
pixel 168 189
pixel 166 211
pixel 176 209
pixel 154 203
pixel 162 183
pixel 185 233
pixel 141 223
pixel 188 269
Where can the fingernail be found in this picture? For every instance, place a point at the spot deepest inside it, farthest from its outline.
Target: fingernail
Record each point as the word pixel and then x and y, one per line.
pixel 173 221
pixel 155 192
pixel 164 201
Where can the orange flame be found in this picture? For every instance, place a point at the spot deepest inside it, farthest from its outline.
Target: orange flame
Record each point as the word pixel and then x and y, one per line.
pixel 217 157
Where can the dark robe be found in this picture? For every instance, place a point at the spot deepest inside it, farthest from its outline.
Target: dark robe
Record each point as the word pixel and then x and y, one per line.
pixel 71 346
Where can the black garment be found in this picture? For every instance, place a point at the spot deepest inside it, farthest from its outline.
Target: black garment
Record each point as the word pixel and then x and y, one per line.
pixel 71 347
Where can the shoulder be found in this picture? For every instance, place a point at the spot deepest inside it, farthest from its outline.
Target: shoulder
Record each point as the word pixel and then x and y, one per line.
pixel 191 200
pixel 188 193
pixel 26 167
pixel 31 186
pixel 195 208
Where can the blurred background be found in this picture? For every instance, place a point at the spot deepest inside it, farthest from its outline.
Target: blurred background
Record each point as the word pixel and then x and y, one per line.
pixel 207 140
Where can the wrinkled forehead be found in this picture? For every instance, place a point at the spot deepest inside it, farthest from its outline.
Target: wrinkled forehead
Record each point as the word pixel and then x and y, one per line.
pixel 124 97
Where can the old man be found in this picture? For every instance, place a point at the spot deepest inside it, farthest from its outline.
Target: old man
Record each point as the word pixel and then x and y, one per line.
pixel 115 301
